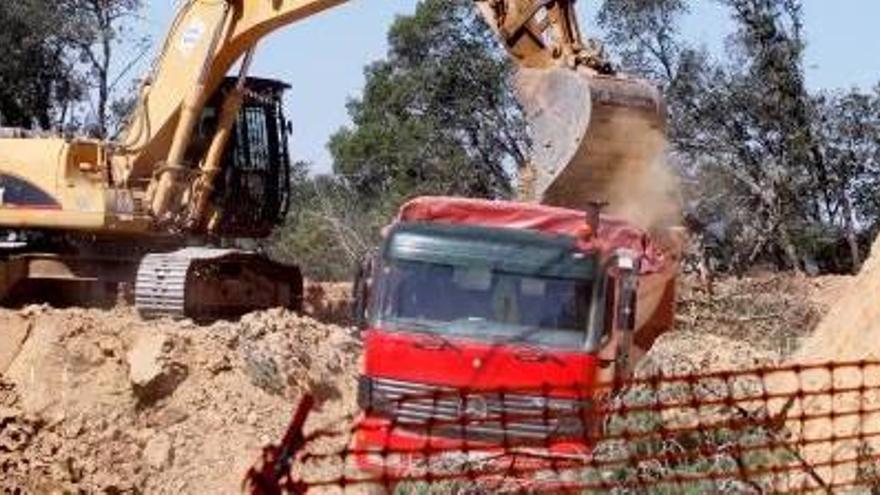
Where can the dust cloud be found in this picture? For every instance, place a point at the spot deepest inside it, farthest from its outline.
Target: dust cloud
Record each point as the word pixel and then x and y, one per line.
pixel 643 189
pixel 601 140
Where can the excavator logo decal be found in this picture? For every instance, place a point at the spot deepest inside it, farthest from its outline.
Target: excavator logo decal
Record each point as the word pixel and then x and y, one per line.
pixel 18 193
pixel 191 36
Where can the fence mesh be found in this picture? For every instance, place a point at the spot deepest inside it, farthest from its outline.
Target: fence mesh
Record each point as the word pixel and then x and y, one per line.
pixel 793 429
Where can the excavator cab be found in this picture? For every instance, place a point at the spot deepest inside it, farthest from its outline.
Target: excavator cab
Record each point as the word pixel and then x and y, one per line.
pixel 251 194
pixel 247 191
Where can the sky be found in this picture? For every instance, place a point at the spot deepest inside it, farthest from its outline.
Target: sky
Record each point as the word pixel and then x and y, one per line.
pixel 323 57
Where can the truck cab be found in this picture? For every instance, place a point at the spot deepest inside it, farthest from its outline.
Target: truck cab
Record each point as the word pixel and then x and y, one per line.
pixel 488 325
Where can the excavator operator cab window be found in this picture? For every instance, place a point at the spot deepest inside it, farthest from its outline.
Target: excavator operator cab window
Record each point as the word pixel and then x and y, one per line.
pixel 252 193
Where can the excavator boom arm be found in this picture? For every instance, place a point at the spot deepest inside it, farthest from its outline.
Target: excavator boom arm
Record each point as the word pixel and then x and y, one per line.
pixel 205 40
pixel 209 36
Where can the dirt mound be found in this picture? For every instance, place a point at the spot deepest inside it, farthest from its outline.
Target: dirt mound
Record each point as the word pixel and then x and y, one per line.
pixel 742 322
pixel 685 353
pixel 851 330
pixel 841 403
pixel 95 401
pixel 329 302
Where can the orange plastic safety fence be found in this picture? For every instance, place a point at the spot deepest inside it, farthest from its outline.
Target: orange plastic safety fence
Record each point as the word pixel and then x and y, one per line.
pixel 791 429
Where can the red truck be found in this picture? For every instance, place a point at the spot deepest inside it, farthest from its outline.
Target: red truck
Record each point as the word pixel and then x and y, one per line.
pixel 495 324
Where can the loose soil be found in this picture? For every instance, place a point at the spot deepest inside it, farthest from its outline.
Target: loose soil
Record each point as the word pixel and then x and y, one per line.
pixel 102 401
pixel 849 333
pixel 94 401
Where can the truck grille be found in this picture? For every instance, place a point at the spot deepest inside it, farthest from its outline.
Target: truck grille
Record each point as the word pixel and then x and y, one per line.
pixel 497 417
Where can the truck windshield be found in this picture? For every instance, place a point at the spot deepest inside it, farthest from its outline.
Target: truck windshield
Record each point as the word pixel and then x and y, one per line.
pixel 483 303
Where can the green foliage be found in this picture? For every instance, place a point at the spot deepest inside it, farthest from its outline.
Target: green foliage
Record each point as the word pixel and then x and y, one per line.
pixel 645 33
pixel 437 115
pixel 36 80
pixel 443 488
pixel 773 173
pixel 56 54
pixel 847 124
pixel 867 469
pixel 664 453
pixel 328 229
pixel 96 28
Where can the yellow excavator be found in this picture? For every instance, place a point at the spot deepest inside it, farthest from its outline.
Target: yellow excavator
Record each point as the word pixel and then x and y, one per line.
pixel 203 161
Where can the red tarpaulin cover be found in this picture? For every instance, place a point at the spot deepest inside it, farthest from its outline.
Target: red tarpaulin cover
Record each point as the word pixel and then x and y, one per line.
pixel 614 233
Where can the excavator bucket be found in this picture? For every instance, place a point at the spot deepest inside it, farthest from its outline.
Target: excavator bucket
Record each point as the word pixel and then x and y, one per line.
pixel 596 139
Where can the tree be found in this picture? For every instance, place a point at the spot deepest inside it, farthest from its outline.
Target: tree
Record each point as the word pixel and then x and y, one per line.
pixel 645 34
pixel 761 164
pixel 60 54
pixel 748 122
pixel 437 115
pixel 37 82
pixel 98 28
pixel 327 231
pixel 848 126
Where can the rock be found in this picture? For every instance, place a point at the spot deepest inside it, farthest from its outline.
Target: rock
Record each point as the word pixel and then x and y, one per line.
pixel 146 359
pixel 152 372
pixel 108 346
pixel 15 330
pixel 33 310
pixel 143 436
pixel 159 451
pixel 15 433
pixel 263 371
pixel 73 427
pixel 220 365
pixel 167 417
pixel 8 395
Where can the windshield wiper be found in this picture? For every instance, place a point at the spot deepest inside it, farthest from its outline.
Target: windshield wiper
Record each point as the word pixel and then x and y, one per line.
pixel 530 352
pixel 432 341
pixel 534 354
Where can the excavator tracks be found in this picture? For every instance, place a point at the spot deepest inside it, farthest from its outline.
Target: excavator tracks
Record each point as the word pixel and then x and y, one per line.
pixel 160 288
pixel 208 284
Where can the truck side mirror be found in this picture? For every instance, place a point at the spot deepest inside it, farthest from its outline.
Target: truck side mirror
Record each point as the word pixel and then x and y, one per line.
pixel 628 268
pixel 361 292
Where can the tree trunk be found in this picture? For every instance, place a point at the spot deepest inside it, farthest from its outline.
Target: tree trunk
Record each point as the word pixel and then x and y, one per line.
pixel 526 183
pixel 788 246
pixel 850 231
pixel 104 80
